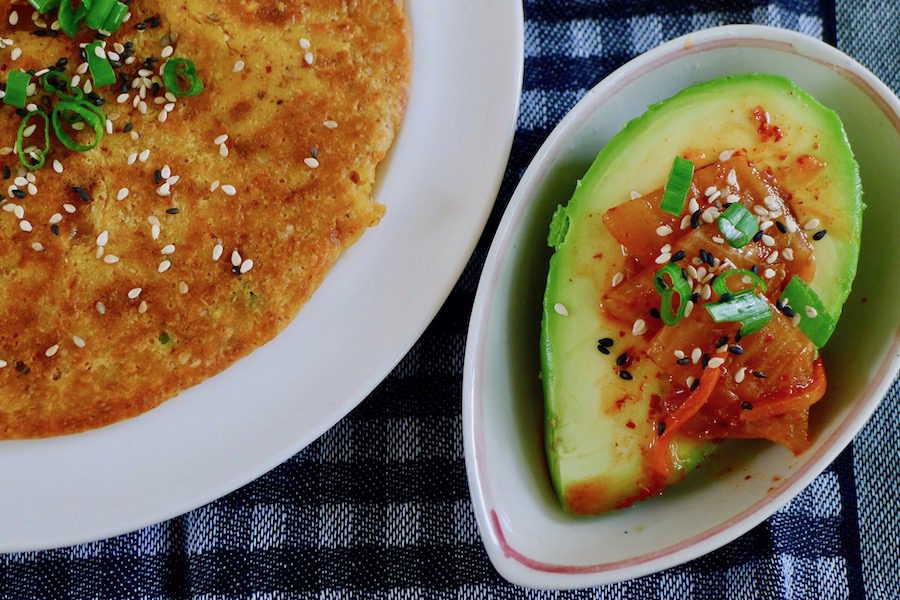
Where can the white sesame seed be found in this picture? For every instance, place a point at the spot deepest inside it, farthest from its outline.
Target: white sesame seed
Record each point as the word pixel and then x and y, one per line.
pixel 101 308
pixel 229 189
pixel 710 191
pixel 183 287
pixel 696 353
pixel 772 203
pixel 663 230
pixel 217 252
pixel 3 364
pixel 689 381
pixel 768 240
pixel 812 224
pixel 223 151
pixel 110 259
pixel 666 248
pixel 772 258
pixel 739 376
pixel 725 155
pixel 25 226
pixel 214 185
pixel 731 178
pixel 51 351
pixel 715 362
pixel 732 198
pixel 246 265
pixel 123 193
pixel 167 52
pixel 236 258
pixel 16 53
pixel 329 124
pixel 635 194
pixel 639 327
pixel 239 66
pixel 308 58
pixel 144 155
pixel 78 341
pixel 99 252
pixel 663 258
pixel 811 312
pixel 164 190
pixel 617 278
pixel 679 353
pixel 134 293
pixel 103 238
pixel 164 266
pixel 132 158
pixel 769 273
pixel 304 43
pixel 221 139
pixel 142 308
pixel 787 254
pixel 37 247
pixel 688 308
pixel 765 225
pixel 709 215
pixel 168 249
pixel 69 208
pixel 154 231
pixel 795 320
pixel 685 222
pixel 311 162
pixel 705 291
pixel 693 205
pixel 760 210
pixel 14 18
pixel 561 309
pixel 162 117
pixel 718 239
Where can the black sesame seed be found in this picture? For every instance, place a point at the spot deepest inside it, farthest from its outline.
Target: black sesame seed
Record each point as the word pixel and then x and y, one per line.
pixel 781 227
pixel 128 127
pixel 157 177
pixel 710 259
pixel 661 428
pixel 755 269
pixel 684 361
pixel 695 384
pixel 622 359
pixel 603 349
pixel 758 235
pixel 82 194
pixel 788 311
pixel 735 349
pixel 819 234
pixel 605 342
pixel 702 255
pixel 779 304
pixel 695 297
pixel 705 360
pixel 725 297
pixel 678 256
pixel 746 406
pixel 172 211
pixel 54 229
pixel 760 374
pixel 695 219
pixel 625 375
pixel 18 193
pixel 654 312
pixel 6 172
pixel 722 341
pixel 737 337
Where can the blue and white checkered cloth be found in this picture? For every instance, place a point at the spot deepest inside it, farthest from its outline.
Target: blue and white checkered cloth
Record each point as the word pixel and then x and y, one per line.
pixel 365 513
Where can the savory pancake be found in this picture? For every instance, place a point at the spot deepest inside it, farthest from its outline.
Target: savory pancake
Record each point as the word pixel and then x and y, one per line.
pixel 139 268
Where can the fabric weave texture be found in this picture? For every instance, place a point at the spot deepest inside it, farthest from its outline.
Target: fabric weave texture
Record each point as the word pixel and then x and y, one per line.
pixel 379 506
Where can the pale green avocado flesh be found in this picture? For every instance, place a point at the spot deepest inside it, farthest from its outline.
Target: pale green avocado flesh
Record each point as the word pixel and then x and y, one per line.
pixel 597 425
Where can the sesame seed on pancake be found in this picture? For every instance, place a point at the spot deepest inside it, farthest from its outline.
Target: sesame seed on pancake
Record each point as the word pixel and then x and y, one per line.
pixel 197 229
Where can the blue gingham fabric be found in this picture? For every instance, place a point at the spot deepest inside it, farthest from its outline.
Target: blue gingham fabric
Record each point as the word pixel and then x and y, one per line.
pixel 364 512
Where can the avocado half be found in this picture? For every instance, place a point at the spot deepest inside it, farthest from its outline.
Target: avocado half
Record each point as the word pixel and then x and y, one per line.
pixel 597 425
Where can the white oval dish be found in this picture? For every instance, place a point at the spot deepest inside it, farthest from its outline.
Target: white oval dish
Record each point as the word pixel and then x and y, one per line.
pixel 371 308
pixel 529 539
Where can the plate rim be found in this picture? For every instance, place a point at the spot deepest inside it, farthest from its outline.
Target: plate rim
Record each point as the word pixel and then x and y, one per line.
pixel 369 383
pixel 512 564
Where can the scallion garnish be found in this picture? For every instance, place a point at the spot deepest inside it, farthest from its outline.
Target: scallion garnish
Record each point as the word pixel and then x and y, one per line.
pixel 815 322
pixel 43 6
pixel 746 308
pixel 58 84
pixel 101 71
pixel 738 225
pixel 677 186
pixel 115 18
pixel 33 160
pixel 97 12
pixel 677 285
pixel 17 88
pixel 86 113
pixel 720 283
pixel 70 17
pixel 177 70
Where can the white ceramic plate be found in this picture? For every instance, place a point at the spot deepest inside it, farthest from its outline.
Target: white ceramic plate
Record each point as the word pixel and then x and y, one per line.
pixel 439 186
pixel 528 538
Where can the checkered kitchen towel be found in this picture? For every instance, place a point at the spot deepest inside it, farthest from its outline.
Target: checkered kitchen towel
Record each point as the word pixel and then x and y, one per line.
pixel 362 513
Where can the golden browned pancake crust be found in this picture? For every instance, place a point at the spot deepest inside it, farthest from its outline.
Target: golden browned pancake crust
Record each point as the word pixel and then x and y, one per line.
pixel 292 220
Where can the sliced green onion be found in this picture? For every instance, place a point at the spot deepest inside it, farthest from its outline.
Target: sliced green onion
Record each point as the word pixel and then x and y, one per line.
pixel 43 6
pixel 98 12
pixel 177 69
pixel 27 160
pixel 17 88
pixel 101 71
pixel 747 308
pixel 738 225
pixel 677 186
pixel 70 17
pixel 56 83
pixel 720 283
pixel 115 17
pixel 800 297
pixel 87 114
pixel 679 285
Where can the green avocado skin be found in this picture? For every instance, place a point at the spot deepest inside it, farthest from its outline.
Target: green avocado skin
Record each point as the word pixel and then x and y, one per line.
pixel 595 454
